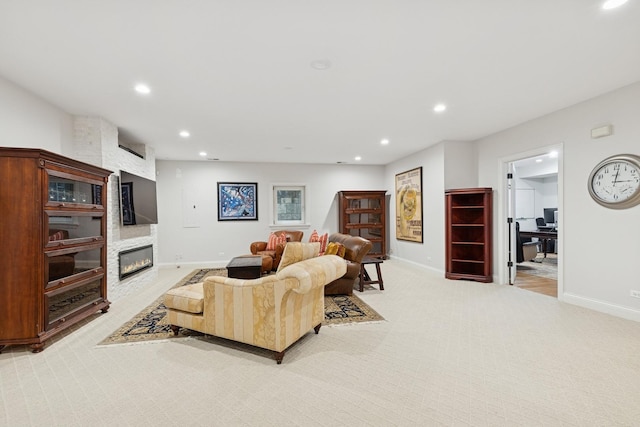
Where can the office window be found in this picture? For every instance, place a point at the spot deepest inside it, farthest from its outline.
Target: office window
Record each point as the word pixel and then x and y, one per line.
pixel 289 204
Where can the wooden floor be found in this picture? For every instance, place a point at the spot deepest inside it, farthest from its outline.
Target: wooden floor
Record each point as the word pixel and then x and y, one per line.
pixel 541 285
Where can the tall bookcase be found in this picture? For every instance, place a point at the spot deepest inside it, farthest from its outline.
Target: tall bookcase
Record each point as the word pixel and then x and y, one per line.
pixel 468 234
pixel 53 230
pixel 363 213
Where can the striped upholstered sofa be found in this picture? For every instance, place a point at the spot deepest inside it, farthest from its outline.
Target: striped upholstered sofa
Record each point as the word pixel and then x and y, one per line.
pixel 271 312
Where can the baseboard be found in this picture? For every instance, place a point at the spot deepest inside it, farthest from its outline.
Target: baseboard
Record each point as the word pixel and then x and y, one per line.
pixel 202 264
pixel 601 306
pixel 417 264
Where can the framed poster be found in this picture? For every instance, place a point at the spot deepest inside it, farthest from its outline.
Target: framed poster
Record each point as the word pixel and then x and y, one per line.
pixel 237 201
pixel 128 210
pixel 409 205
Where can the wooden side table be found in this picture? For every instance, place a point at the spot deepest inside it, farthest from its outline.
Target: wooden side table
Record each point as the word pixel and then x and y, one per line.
pixel 364 276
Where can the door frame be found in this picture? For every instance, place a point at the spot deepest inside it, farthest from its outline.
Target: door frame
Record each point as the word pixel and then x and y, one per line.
pixel 503 213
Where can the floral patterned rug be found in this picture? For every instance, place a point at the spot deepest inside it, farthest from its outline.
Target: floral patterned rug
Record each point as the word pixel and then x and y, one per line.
pixel 150 324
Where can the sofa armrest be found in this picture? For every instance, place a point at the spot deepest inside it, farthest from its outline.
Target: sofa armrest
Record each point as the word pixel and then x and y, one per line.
pixel 257 247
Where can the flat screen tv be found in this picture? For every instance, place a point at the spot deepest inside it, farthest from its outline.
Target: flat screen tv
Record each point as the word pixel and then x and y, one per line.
pixel 138 203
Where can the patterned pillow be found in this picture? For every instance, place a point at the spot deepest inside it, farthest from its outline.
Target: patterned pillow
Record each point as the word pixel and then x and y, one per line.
pixel 296 252
pixel 334 248
pixel 322 239
pixel 58 235
pixel 272 241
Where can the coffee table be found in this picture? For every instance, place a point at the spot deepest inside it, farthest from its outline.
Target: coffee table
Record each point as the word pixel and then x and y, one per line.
pixel 245 267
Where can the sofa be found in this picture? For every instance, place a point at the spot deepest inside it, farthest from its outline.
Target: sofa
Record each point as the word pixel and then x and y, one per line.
pixel 260 247
pixel 270 312
pixel 356 248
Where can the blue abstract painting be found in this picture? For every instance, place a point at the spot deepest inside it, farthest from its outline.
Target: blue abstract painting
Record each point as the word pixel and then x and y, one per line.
pixel 237 201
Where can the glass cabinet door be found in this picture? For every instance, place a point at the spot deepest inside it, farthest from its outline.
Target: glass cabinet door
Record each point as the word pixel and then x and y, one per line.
pixel 66 191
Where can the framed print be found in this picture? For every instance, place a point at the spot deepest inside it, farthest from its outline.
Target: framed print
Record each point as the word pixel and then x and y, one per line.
pixel 409 205
pixel 237 201
pixel 128 210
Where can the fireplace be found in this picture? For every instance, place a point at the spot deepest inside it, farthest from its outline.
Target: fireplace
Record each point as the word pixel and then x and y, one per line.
pixel 133 261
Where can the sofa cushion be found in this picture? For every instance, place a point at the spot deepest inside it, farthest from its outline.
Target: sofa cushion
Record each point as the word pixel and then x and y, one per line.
pixel 189 298
pixel 296 252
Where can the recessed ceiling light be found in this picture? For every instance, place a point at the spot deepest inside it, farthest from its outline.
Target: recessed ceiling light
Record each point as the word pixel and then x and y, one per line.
pixel 142 88
pixel 185 133
pixel 439 108
pixel 612 4
pixel 538 160
pixel 321 64
pixel 384 142
pixel 203 153
pixel 357 158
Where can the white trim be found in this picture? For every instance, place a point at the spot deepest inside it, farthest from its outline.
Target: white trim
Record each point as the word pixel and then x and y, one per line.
pixel 603 307
pixel 501 208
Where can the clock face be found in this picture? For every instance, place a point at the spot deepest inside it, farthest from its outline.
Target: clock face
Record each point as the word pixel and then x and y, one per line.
pixel 615 182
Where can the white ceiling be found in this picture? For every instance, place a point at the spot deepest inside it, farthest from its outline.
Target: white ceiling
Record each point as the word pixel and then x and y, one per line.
pixel 237 73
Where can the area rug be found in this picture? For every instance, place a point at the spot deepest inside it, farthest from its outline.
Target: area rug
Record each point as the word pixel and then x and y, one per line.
pixel 150 324
pixel 542 267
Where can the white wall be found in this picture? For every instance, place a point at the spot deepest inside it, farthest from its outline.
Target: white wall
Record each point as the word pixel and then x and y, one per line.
pixel 599 247
pixel 195 236
pixel 28 121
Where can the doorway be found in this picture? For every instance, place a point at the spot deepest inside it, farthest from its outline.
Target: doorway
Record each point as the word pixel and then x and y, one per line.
pixel 534 207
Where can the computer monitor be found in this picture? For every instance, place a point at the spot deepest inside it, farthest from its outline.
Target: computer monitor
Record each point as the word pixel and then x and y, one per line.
pixel 549 215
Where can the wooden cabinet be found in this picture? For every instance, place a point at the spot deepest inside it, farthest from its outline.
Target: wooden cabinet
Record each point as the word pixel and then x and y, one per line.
pixel 363 213
pixel 53 235
pixel 468 234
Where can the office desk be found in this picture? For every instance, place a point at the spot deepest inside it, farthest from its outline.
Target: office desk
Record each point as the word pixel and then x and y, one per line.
pixel 544 237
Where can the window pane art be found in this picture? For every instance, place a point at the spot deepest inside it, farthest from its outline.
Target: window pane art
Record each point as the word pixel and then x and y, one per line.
pixel 289 205
pixel 237 201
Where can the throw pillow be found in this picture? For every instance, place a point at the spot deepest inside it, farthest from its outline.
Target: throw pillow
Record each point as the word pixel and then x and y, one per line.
pixel 315 237
pixel 296 252
pixel 58 235
pixel 275 239
pixel 272 241
pixel 334 248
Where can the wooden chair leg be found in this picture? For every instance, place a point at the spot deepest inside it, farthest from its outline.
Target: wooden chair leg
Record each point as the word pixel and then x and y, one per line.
pixel 317 328
pixel 278 356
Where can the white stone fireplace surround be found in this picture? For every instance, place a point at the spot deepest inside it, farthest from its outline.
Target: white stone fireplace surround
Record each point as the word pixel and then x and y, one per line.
pixel 96 142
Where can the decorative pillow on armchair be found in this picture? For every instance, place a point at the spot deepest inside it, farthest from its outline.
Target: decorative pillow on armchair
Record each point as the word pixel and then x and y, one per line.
pixel 315 237
pixel 296 252
pixel 335 248
pixel 274 239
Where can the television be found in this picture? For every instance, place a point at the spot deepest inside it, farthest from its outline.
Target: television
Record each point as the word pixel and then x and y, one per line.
pixel 549 215
pixel 138 202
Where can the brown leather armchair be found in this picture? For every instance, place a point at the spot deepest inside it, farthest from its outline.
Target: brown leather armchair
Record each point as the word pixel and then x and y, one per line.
pixel 355 250
pixel 260 248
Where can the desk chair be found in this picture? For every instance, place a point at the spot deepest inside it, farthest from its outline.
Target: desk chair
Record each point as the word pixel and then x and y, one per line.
pixel 525 250
pixel 540 223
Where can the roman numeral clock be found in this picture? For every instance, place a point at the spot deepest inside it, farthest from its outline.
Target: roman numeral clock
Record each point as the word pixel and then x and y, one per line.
pixel 615 182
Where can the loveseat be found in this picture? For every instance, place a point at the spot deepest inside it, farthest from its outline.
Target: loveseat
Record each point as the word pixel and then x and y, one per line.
pixel 271 312
pixel 355 250
pixel 260 247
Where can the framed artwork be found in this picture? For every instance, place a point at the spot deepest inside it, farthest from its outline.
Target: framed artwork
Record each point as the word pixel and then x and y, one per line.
pixel 409 205
pixel 128 211
pixel 237 201
pixel 289 202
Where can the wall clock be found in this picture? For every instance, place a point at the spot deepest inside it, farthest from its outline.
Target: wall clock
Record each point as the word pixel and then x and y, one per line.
pixel 615 182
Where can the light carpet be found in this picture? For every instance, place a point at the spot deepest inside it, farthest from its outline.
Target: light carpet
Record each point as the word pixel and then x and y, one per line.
pixel 150 324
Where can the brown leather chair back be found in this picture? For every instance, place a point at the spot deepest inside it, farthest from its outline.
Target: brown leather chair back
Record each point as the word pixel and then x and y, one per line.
pixel 292 235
